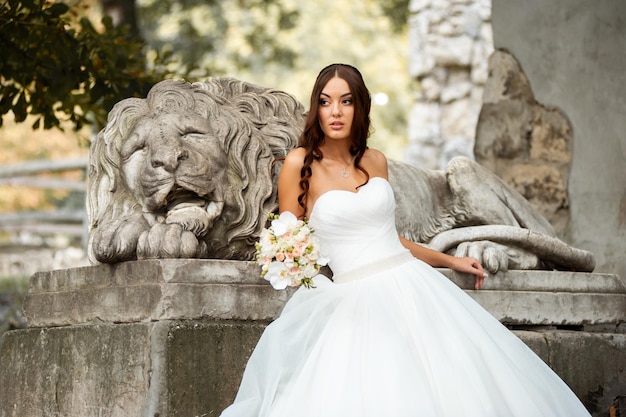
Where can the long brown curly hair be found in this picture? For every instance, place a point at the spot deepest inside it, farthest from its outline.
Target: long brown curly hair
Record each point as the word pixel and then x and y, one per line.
pixel 313 136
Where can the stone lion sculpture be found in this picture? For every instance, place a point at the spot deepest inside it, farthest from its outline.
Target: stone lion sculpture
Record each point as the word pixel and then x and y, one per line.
pixel 188 171
pixel 191 171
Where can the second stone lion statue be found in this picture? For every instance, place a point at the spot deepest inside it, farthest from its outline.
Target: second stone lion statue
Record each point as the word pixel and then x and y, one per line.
pixel 190 171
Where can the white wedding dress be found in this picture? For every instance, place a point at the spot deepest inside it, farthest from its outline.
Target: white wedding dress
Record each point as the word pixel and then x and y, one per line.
pixel 390 337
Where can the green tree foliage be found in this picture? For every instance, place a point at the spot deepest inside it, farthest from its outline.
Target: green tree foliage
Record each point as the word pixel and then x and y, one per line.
pixel 56 69
pixel 398 13
pixel 217 37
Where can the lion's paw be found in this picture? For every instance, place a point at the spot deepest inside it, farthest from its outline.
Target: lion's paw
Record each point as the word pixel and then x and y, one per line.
pixel 496 257
pixel 169 240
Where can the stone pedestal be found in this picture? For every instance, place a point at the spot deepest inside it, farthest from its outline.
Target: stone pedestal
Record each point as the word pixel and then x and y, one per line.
pixel 171 337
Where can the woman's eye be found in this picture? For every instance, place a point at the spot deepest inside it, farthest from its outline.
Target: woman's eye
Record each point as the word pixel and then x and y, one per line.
pixel 347 101
pixel 324 102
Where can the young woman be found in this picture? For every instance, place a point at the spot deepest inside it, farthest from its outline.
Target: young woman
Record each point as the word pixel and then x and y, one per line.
pixel 389 336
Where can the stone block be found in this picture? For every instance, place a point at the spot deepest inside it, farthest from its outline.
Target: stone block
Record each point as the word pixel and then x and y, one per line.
pixel 181 289
pixel 592 364
pixel 549 298
pixel 75 371
pixel 151 290
pixel 168 368
pixel 450 51
pixel 187 368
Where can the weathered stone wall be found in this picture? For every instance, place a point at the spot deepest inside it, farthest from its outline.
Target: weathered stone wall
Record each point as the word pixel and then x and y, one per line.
pixel 523 142
pixel 449 41
pixel 164 368
pixel 193 368
pixel 572 52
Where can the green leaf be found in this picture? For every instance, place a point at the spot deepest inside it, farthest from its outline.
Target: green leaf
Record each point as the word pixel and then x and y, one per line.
pixel 31 5
pixel 107 21
pixel 20 107
pixel 8 95
pixel 50 121
pixel 58 9
pixel 14 4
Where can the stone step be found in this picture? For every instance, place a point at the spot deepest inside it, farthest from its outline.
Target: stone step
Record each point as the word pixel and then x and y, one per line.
pixel 174 289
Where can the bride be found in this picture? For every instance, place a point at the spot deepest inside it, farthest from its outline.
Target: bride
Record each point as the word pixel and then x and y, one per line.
pixel 389 335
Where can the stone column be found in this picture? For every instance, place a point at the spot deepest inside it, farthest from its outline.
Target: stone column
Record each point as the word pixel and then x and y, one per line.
pixel 450 42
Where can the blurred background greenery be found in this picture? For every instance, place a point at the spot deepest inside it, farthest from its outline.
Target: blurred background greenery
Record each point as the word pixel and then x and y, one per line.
pixel 66 63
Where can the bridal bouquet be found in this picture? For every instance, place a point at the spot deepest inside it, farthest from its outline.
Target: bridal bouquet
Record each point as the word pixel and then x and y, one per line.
pixel 289 252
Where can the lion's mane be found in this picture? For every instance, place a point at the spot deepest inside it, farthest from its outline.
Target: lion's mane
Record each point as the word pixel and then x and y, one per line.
pixel 255 127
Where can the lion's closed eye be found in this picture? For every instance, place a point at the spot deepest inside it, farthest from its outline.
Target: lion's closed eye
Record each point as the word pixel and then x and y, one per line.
pixel 133 144
pixel 195 136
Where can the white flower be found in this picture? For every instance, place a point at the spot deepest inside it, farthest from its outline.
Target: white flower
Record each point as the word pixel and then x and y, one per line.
pixel 285 222
pixel 310 270
pixel 288 252
pixel 323 260
pixel 277 275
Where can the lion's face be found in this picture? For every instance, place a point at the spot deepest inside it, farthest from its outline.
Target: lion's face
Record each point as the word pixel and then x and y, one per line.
pixel 175 165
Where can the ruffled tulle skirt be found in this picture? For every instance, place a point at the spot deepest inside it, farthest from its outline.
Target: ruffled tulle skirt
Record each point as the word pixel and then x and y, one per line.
pixel 399 341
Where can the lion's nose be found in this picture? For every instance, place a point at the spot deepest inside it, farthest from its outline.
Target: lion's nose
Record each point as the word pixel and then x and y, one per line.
pixel 168 159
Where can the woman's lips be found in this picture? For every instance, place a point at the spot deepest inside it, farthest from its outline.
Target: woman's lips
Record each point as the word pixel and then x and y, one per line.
pixel 336 125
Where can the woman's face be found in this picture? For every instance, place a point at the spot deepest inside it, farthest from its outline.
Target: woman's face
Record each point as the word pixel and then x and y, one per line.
pixel 336 110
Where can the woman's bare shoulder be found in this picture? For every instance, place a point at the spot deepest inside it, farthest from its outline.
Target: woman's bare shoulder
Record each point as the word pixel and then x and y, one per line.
pixel 295 158
pixel 375 162
pixel 375 154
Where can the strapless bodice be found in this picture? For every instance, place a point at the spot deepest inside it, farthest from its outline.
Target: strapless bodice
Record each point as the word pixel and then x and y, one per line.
pixel 357 228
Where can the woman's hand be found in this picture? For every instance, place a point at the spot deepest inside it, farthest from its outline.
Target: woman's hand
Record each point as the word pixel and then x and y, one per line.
pixel 470 266
pixel 438 259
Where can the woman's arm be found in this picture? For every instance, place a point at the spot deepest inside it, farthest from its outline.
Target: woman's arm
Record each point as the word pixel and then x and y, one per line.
pixel 289 183
pixel 438 259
